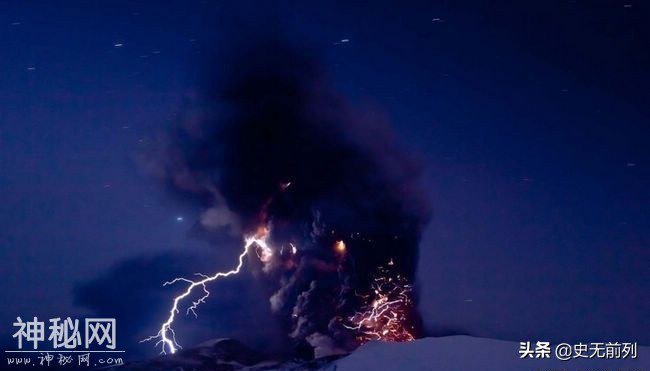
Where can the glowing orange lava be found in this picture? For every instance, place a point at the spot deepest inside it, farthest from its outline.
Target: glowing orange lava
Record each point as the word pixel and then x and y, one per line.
pixel 386 312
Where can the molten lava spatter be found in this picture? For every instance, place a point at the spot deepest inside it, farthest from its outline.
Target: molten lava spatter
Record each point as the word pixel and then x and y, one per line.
pixel 166 337
pixel 385 316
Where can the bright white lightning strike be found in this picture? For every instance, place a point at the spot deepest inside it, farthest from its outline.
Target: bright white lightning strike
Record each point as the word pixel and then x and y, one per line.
pixel 166 335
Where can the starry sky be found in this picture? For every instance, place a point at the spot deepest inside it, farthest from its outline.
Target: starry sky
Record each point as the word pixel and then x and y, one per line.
pixel 531 120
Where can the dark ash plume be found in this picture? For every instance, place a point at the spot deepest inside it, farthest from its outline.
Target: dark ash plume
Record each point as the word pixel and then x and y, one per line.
pixel 276 146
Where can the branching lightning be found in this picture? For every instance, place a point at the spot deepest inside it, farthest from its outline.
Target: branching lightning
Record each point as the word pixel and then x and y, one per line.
pixel 166 336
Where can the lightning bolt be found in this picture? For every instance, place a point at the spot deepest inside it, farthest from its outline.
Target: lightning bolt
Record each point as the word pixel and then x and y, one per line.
pixel 166 336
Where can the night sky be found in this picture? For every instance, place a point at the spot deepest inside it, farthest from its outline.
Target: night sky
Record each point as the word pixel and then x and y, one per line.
pixel 532 122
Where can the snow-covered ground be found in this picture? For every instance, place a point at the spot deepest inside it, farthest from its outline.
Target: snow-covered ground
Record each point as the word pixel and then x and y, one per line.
pixel 465 353
pixel 450 353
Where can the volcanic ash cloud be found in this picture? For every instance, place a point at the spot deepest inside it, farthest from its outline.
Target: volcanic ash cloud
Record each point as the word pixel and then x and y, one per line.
pixel 274 148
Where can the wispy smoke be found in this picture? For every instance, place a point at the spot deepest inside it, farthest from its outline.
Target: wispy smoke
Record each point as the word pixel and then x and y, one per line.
pixel 274 145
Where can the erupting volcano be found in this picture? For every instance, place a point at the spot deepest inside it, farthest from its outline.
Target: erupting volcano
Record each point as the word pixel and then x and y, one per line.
pixel 327 204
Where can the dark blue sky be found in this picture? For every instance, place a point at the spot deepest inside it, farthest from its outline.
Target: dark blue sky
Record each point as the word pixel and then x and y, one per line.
pixel 532 121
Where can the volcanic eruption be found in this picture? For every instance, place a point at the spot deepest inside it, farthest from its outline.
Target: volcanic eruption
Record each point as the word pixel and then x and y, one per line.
pixel 329 204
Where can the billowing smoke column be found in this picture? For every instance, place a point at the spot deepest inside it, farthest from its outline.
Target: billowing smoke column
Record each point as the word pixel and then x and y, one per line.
pixel 276 148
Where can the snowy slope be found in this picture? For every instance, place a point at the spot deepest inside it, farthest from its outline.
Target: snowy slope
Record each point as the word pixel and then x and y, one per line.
pixel 451 353
pixel 465 353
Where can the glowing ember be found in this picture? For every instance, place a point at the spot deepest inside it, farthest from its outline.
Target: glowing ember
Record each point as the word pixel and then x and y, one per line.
pixel 263 250
pixel 340 246
pixel 385 314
